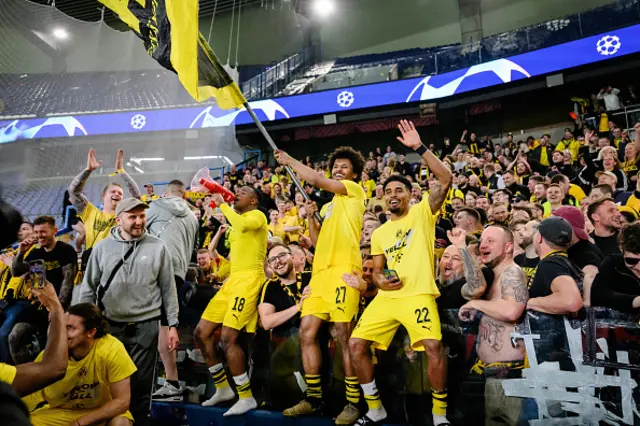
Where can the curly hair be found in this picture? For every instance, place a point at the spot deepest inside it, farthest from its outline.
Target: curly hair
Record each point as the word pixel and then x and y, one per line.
pixel 629 239
pixel 348 153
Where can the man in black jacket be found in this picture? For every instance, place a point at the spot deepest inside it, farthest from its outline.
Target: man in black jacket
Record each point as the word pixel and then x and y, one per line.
pixel 617 285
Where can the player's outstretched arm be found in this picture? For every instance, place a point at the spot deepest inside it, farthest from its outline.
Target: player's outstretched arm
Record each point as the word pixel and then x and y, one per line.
pixel 411 139
pixel 309 175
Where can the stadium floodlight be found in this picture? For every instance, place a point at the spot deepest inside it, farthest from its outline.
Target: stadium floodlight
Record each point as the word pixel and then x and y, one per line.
pixel 60 33
pixel 324 8
pixel 202 157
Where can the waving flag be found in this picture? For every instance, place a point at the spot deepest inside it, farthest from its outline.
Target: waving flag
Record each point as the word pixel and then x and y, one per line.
pixel 169 30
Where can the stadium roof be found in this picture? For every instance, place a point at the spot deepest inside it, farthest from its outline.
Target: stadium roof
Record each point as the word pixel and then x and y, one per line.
pixel 91 10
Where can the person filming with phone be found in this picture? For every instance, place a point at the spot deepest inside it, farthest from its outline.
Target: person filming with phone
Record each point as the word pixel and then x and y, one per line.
pixel 51 260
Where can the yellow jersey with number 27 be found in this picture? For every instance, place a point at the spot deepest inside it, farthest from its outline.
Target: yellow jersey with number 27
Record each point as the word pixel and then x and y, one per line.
pixel 339 239
pixel 408 245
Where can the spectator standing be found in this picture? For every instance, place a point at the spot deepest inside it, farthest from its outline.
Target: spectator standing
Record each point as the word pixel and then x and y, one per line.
pixel 502 303
pixel 610 97
pixel 378 200
pixel 130 278
pixel 60 259
pixel 528 260
pixel 582 252
pixel 554 288
pixel 605 217
pixel 98 223
pixel 150 195
pixel 617 285
pixel 170 218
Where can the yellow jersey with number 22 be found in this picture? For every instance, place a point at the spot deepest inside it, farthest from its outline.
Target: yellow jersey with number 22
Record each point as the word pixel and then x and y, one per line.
pixel 408 245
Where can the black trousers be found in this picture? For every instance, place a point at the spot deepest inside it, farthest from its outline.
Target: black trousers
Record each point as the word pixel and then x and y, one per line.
pixel 141 342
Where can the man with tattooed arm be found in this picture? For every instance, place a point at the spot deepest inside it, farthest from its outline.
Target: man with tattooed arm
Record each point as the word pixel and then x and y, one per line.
pixel 502 304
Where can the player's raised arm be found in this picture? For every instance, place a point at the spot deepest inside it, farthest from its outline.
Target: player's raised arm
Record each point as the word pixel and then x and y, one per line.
pixel 411 139
pixel 311 176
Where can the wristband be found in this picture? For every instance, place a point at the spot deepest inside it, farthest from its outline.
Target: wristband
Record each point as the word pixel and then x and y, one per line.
pixel 116 173
pixel 421 149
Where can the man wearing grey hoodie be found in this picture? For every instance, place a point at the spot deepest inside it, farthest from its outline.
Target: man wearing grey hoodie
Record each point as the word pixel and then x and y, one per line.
pixel 130 277
pixel 170 219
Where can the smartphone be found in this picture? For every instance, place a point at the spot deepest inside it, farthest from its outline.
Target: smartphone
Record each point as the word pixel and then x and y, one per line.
pixel 37 276
pixel 391 274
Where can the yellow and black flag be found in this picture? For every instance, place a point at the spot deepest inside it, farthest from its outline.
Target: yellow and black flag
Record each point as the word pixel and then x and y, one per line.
pixel 169 30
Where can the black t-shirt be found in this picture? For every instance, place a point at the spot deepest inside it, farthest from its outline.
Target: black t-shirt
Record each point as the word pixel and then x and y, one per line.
pixel 528 265
pixel 607 245
pixel 275 293
pixel 585 253
pixel 549 269
pixel 451 295
pixel 61 255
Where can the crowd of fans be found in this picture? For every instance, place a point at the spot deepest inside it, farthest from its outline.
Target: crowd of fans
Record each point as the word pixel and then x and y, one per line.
pixel 530 225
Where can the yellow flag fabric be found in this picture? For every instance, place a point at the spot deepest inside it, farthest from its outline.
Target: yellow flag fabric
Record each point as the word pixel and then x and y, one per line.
pixel 169 30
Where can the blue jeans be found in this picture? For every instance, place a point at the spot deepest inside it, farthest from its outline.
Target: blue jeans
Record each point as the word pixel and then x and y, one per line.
pixel 11 315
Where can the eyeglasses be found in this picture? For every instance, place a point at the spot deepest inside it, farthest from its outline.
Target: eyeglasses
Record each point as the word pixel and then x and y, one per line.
pixel 273 259
pixel 631 261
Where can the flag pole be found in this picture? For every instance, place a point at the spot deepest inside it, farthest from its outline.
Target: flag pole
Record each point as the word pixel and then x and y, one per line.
pixel 273 146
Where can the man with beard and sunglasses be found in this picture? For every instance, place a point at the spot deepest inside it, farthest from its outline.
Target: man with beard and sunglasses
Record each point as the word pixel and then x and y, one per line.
pixel 617 285
pixel 403 251
pixel 502 305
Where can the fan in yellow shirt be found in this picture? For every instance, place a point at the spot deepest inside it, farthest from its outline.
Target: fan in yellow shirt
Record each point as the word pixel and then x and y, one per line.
pixel 368 184
pixel 234 307
pixel 96 388
pixel 337 253
pixel 403 256
pixel 98 223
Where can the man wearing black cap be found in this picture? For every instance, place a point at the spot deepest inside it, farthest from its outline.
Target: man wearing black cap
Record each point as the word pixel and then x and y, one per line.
pixel 554 289
pixel 130 277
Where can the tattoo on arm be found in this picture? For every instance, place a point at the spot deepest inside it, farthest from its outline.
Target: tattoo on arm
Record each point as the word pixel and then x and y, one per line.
pixel 132 186
pixel 437 194
pixel 513 283
pixel 491 332
pixel 476 284
pixel 75 190
pixel 66 289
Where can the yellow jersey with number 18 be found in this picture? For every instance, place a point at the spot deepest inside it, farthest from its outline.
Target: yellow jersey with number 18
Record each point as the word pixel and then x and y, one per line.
pixel 339 239
pixel 408 244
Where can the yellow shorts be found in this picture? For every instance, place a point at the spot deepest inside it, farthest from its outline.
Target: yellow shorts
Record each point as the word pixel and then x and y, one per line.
pixel 418 314
pixel 236 304
pixel 62 416
pixel 331 298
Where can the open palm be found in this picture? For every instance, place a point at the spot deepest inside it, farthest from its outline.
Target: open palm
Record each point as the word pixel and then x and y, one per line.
pixel 410 137
pixel 92 161
pixel 120 160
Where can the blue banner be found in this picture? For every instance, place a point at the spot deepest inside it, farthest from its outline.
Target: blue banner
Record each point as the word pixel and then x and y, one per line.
pixel 537 63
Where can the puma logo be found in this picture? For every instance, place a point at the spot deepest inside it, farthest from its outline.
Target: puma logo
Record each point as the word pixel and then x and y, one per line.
pixel 342 310
pixel 236 317
pixel 426 327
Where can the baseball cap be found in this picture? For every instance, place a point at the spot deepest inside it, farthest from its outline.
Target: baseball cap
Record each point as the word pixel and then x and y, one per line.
pixel 129 204
pixel 148 185
pixel 556 230
pixel 574 216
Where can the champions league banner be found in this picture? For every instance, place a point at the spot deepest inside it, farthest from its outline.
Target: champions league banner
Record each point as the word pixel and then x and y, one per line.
pixel 531 64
